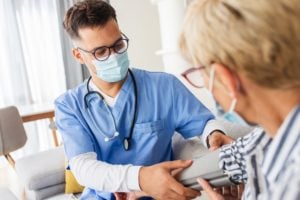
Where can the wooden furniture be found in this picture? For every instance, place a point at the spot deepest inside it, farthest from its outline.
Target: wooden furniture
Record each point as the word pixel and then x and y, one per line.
pixel 36 112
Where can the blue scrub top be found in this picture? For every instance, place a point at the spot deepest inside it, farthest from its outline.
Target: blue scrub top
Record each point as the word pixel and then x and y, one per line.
pixel 165 106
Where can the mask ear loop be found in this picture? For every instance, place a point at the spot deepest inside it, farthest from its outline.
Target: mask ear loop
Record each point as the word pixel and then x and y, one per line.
pixel 232 105
pixel 211 79
pixel 234 100
pixel 210 87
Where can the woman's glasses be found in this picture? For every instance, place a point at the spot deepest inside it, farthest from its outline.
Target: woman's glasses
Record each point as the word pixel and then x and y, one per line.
pixel 194 76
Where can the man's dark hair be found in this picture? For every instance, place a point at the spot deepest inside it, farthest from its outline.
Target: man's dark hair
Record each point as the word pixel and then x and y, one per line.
pixel 87 13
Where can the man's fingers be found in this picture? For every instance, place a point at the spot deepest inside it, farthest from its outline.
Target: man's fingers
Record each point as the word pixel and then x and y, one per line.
pixel 181 190
pixel 172 165
pixel 174 195
pixel 176 171
pixel 187 192
pixel 192 193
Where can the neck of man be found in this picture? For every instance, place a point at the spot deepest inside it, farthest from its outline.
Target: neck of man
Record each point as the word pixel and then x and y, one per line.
pixel 271 107
pixel 110 89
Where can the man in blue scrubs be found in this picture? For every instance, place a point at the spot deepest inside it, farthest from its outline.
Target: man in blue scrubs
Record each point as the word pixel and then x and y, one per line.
pixel 118 125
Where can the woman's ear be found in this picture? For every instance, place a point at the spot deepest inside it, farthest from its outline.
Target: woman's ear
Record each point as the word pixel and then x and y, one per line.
pixel 78 56
pixel 227 78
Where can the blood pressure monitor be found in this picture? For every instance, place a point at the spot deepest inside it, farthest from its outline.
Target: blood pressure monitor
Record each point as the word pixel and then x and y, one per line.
pixel 206 167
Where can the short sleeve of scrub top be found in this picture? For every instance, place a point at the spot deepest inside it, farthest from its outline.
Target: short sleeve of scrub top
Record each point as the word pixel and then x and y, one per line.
pixel 73 132
pixel 190 114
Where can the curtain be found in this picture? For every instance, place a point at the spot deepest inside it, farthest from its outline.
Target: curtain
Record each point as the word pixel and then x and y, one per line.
pixel 36 65
pixel 74 72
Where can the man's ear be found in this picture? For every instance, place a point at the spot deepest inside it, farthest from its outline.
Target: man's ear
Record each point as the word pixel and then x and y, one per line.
pixel 77 55
pixel 227 78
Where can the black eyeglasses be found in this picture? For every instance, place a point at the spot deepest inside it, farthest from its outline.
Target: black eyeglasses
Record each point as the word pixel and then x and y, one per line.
pixel 102 53
pixel 194 76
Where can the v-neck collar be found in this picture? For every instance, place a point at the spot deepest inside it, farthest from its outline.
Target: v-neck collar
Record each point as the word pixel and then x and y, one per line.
pixel 124 94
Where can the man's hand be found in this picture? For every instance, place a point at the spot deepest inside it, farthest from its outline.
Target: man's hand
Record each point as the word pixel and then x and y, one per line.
pixel 158 182
pixel 218 139
pixel 226 193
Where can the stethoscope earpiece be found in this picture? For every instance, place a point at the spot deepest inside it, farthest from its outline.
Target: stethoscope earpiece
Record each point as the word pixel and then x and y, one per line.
pixel 107 139
pixel 116 134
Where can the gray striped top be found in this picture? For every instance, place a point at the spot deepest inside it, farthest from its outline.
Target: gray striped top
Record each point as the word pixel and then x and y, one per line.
pixel 270 168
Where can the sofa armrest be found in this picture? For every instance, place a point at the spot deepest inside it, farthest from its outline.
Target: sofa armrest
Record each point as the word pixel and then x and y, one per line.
pixel 42 169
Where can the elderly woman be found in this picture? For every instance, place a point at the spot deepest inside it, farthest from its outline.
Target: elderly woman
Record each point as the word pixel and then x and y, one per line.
pixel 248 53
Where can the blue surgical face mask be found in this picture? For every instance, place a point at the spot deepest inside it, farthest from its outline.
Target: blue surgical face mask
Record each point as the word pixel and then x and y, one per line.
pixel 113 69
pixel 230 115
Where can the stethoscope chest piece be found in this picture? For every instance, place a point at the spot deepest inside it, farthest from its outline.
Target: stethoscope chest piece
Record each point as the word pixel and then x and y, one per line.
pixel 126 144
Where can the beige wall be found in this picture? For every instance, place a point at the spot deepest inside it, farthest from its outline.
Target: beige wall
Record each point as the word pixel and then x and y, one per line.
pixel 139 21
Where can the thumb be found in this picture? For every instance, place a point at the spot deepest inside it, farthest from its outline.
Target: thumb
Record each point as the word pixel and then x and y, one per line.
pixel 175 172
pixel 209 190
pixel 171 165
pixel 205 185
pixel 212 148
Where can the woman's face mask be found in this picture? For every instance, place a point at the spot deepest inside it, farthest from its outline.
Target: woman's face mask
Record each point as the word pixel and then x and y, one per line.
pixel 229 115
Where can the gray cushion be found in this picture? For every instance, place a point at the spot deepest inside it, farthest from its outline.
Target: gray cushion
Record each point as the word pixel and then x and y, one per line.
pixel 7 194
pixel 45 192
pixel 42 169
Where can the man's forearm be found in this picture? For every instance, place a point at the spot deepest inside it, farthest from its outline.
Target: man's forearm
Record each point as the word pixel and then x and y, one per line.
pixel 102 176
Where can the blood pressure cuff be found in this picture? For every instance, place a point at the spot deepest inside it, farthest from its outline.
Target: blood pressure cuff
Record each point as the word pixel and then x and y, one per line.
pixel 206 167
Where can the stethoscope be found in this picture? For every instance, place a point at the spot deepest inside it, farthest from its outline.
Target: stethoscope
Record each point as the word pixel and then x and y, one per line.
pixel 127 140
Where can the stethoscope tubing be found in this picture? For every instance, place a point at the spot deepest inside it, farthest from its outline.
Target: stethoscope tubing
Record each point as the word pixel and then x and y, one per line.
pixel 127 140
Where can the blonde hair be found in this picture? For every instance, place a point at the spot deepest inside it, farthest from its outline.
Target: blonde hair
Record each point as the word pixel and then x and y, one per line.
pixel 258 38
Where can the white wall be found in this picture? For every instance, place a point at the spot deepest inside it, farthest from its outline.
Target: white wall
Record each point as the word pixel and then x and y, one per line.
pixel 139 21
pixel 171 15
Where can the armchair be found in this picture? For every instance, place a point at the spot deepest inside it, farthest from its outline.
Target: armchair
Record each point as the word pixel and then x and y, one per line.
pixel 42 174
